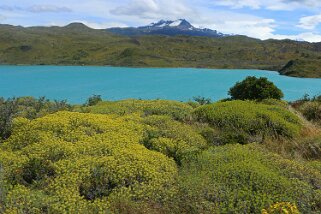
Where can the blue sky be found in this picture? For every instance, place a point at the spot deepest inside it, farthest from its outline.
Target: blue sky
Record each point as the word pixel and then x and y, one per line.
pixel 264 19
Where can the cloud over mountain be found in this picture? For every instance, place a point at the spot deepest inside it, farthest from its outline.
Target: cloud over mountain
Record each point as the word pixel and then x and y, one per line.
pixel 256 18
pixel 39 8
pixel 310 22
pixel 152 9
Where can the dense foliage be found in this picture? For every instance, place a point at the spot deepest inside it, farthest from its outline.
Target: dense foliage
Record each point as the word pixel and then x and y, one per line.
pixel 174 109
pixel 246 121
pixel 245 178
pixel 172 138
pixel 73 162
pixel 27 107
pixel 158 156
pixel 253 88
pixel 309 107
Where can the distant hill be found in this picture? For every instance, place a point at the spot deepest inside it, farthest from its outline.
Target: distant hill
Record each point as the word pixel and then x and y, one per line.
pixel 77 44
pixel 298 68
pixel 168 28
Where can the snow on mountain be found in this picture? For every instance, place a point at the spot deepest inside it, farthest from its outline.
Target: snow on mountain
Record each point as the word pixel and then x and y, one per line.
pixel 168 28
pixel 175 23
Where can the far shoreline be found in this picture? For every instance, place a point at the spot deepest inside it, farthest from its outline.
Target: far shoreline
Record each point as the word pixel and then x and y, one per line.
pixel 151 67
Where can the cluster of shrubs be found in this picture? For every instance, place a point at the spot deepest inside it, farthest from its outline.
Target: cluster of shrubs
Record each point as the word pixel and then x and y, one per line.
pixel 73 162
pixel 176 110
pixel 157 156
pixel 27 107
pixel 309 107
pixel 245 179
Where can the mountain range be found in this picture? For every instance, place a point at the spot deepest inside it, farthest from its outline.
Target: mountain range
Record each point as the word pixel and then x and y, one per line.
pixel 78 44
pixel 167 28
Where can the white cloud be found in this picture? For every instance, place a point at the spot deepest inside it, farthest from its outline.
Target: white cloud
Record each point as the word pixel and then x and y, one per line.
pixel 201 13
pixel 310 22
pixel 154 9
pixel 2 18
pixel 48 8
pixel 309 37
pixel 39 8
pixel 270 4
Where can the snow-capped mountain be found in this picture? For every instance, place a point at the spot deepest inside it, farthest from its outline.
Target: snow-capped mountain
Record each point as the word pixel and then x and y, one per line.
pixel 168 28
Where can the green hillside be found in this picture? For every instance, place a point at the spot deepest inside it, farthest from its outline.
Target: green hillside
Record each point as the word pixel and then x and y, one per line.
pixel 76 44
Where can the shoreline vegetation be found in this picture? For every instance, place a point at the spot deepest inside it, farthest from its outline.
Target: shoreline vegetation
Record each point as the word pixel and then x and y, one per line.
pixel 251 153
pixel 77 44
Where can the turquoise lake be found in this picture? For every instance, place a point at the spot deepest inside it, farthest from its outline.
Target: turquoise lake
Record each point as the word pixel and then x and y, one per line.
pixel 77 83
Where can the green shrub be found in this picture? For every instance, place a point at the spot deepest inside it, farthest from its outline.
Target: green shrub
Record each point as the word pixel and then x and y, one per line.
pixel 310 147
pixel 253 88
pixel 172 138
pixel 281 208
pixel 28 107
pixel 202 100
pixel 246 179
pixel 311 111
pixel 275 102
pixel 176 110
pixel 81 163
pixel 193 104
pixel 93 100
pixel 250 120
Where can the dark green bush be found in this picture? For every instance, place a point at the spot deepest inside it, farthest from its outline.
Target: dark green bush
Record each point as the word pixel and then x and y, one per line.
pixel 253 88
pixel 202 100
pixel 36 170
pixel 93 100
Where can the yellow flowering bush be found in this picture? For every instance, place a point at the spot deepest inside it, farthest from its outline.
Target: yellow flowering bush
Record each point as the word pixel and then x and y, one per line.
pixel 174 109
pixel 151 156
pixel 172 138
pixel 81 163
pixel 281 208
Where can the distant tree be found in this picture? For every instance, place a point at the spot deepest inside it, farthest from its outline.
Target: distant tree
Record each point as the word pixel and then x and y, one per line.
pixel 253 88
pixel 93 100
pixel 202 100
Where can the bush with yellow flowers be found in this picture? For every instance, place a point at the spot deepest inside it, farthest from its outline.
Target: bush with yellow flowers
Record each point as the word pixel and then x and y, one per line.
pixel 81 163
pixel 173 138
pixel 281 208
pixel 174 109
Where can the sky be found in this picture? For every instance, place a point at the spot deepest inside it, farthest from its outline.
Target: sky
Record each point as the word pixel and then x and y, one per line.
pixel 263 19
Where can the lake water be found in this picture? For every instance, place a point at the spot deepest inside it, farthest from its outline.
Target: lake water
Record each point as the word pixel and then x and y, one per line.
pixel 77 83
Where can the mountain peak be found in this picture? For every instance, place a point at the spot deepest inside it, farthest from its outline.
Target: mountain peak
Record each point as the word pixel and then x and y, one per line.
pixel 182 23
pixel 77 25
pixel 167 28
